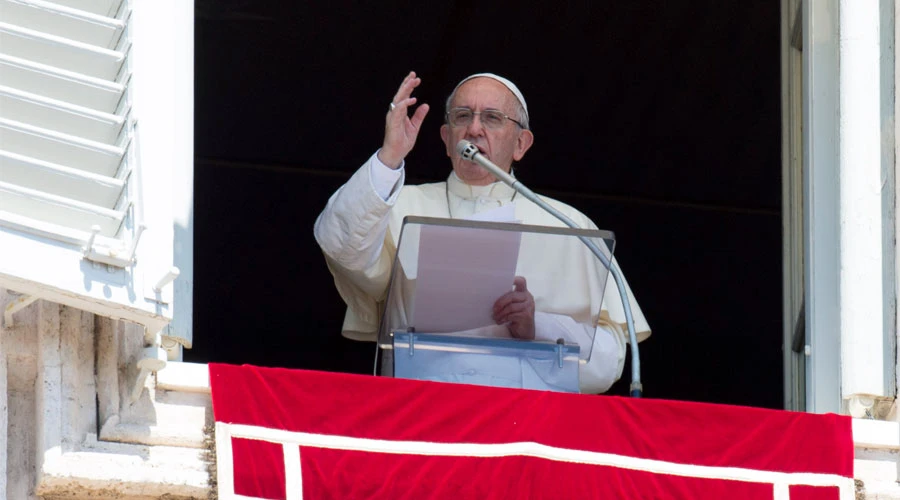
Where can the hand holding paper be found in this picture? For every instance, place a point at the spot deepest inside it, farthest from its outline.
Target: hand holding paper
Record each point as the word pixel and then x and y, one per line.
pixel 516 309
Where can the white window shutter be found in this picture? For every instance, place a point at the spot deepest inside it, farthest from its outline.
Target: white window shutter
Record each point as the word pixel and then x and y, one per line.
pixel 96 129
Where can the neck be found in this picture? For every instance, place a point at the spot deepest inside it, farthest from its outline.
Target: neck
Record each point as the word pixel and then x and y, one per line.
pixel 485 180
pixel 463 189
pixel 474 174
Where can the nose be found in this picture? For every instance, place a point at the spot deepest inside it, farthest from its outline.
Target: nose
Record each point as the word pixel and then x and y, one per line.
pixel 475 128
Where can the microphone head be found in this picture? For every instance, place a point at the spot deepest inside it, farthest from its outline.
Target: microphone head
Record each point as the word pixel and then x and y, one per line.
pixel 467 150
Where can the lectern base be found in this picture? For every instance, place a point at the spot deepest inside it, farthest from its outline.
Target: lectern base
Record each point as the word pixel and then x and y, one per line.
pixel 486 361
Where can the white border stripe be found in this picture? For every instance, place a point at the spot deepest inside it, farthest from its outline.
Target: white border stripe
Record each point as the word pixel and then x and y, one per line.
pixel 292 474
pixel 224 461
pixel 779 480
pixel 781 491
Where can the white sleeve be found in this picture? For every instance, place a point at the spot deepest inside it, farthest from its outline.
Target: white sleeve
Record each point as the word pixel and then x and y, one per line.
pixel 607 355
pixel 385 180
pixel 352 226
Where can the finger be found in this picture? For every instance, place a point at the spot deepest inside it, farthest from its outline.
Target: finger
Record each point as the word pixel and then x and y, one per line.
pixel 520 284
pixel 521 325
pixel 401 106
pixel 513 310
pixel 509 297
pixel 406 80
pixel 503 301
pixel 419 116
pixel 401 94
pixel 521 330
pixel 406 88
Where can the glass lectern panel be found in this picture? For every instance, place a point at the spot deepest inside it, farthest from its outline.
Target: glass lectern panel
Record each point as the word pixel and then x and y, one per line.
pixel 449 274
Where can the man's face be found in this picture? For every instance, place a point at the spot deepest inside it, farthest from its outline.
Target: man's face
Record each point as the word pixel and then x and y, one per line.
pixel 502 146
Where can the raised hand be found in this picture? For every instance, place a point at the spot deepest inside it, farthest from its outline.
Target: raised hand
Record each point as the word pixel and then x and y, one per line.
pixel 516 309
pixel 401 130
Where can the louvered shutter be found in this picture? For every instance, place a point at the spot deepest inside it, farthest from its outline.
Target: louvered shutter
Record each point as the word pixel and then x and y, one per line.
pixel 96 116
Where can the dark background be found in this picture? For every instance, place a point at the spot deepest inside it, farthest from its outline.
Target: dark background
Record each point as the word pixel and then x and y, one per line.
pixel 660 120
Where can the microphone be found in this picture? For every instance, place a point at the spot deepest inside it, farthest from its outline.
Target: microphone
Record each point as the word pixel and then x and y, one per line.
pixel 470 152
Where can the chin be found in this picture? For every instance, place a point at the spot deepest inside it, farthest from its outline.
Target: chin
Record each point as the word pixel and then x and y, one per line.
pixel 474 174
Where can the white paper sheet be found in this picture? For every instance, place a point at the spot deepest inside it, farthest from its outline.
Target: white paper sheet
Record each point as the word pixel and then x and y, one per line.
pixel 461 272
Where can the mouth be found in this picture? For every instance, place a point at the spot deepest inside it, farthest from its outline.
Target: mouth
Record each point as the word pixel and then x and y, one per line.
pixel 463 149
pixel 481 149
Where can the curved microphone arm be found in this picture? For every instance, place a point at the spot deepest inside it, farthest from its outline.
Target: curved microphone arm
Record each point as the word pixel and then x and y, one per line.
pixel 470 152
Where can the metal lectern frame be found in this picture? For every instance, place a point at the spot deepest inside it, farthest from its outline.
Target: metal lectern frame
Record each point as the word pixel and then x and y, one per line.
pixel 540 364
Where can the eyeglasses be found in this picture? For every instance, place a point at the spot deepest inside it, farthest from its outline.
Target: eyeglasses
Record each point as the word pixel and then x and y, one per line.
pixel 490 118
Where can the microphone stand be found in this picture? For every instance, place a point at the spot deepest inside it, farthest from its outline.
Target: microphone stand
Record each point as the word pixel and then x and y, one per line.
pixel 470 152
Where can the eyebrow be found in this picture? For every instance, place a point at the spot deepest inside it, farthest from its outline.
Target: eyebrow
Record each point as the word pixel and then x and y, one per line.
pixel 473 109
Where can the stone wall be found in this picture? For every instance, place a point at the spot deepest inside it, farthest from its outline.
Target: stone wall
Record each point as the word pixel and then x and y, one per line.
pixel 73 428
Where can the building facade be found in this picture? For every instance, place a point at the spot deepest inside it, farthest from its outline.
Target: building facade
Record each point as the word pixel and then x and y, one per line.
pixel 96 238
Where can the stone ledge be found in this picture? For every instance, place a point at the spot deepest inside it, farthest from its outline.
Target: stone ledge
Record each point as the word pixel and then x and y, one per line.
pixel 877 458
pixel 877 434
pixel 151 435
pixel 184 377
pixel 113 470
pixel 879 490
pixel 173 412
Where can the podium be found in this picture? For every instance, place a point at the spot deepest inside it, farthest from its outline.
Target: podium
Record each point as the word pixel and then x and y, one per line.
pixel 438 324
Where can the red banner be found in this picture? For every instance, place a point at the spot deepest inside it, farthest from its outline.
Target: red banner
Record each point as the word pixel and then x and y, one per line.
pixel 290 434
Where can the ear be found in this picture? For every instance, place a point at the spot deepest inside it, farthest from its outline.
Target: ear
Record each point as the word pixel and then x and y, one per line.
pixel 523 143
pixel 445 136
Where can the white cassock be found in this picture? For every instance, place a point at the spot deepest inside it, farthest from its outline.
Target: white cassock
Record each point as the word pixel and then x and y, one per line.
pixel 359 229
